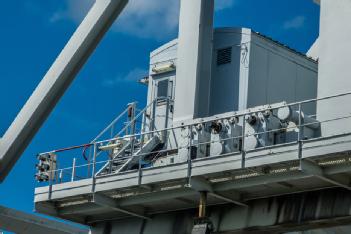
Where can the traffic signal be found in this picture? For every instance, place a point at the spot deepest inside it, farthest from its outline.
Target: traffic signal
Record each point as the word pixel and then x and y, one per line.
pixel 46 167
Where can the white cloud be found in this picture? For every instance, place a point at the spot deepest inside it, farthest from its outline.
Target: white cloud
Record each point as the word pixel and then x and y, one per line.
pixel 224 4
pixel 149 19
pixel 155 19
pixel 132 76
pixel 57 16
pixel 295 23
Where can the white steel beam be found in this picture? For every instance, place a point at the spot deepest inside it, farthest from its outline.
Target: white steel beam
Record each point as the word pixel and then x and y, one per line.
pixel 56 81
pixel 20 222
pixel 334 61
pixel 194 59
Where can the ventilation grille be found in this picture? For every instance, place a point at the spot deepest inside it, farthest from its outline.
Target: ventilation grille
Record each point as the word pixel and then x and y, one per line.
pixel 224 56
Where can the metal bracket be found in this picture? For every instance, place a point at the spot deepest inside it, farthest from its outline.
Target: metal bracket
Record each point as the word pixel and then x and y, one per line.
pixel 202 185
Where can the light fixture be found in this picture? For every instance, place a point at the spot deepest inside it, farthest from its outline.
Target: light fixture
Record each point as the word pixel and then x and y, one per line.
pixel 164 67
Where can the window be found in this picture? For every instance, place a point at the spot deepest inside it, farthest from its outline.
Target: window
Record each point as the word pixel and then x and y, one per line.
pixel 224 56
pixel 164 89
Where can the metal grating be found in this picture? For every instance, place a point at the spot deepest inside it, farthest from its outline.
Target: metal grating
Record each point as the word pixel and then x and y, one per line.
pixel 224 56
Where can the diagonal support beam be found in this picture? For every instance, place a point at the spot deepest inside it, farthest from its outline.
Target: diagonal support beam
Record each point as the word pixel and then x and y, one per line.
pixel 110 203
pixel 316 171
pixel 20 222
pixel 56 81
pixel 201 185
pixel 226 199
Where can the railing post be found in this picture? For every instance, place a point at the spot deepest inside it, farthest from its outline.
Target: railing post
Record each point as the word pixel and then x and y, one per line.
pixel 139 172
pixel 50 186
pixel 94 168
pixel 166 122
pixel 243 152
pixel 152 125
pixel 299 136
pixel 190 135
pixel 89 161
pixel 142 137
pixel 61 175
pixel 131 116
pixel 132 120
pixel 73 170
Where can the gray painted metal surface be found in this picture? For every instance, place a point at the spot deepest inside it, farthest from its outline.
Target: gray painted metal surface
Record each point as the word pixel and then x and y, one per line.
pixel 270 172
pixel 263 216
pixel 194 59
pixel 22 223
pixel 256 75
pixel 261 72
pixel 334 61
pixel 56 81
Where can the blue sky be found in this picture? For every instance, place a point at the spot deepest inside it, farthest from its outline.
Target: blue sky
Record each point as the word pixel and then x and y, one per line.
pixel 33 32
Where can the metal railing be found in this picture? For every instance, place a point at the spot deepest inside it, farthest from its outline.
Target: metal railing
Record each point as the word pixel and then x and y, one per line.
pixel 185 138
pixel 123 127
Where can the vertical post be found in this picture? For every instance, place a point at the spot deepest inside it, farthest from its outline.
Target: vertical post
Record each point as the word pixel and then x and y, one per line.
pixel 110 164
pixel 139 172
pixel 143 127
pixel 61 175
pixel 194 62
pixel 300 137
pixel 202 205
pixel 73 170
pixel 51 173
pixel 153 118
pixel 243 152
pixel 166 122
pixel 89 161
pixel 94 168
pixel 50 187
pixel 131 116
pixel 190 135
pixel 57 176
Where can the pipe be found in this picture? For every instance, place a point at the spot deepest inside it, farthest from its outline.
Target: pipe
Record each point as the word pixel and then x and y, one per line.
pixel 203 204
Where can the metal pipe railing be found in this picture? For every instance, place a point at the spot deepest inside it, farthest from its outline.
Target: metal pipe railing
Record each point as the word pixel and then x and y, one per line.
pixel 110 126
pixel 299 126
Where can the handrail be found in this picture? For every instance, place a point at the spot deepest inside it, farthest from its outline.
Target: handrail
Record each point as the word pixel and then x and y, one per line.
pixel 228 115
pixel 247 112
pixel 212 141
pixel 110 125
pixel 143 111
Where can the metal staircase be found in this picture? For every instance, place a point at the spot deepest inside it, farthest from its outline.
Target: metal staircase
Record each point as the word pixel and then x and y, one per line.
pixel 131 155
pixel 130 151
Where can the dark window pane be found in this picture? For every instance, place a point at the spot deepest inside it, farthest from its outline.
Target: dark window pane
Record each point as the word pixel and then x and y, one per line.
pixel 162 88
pixel 224 56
